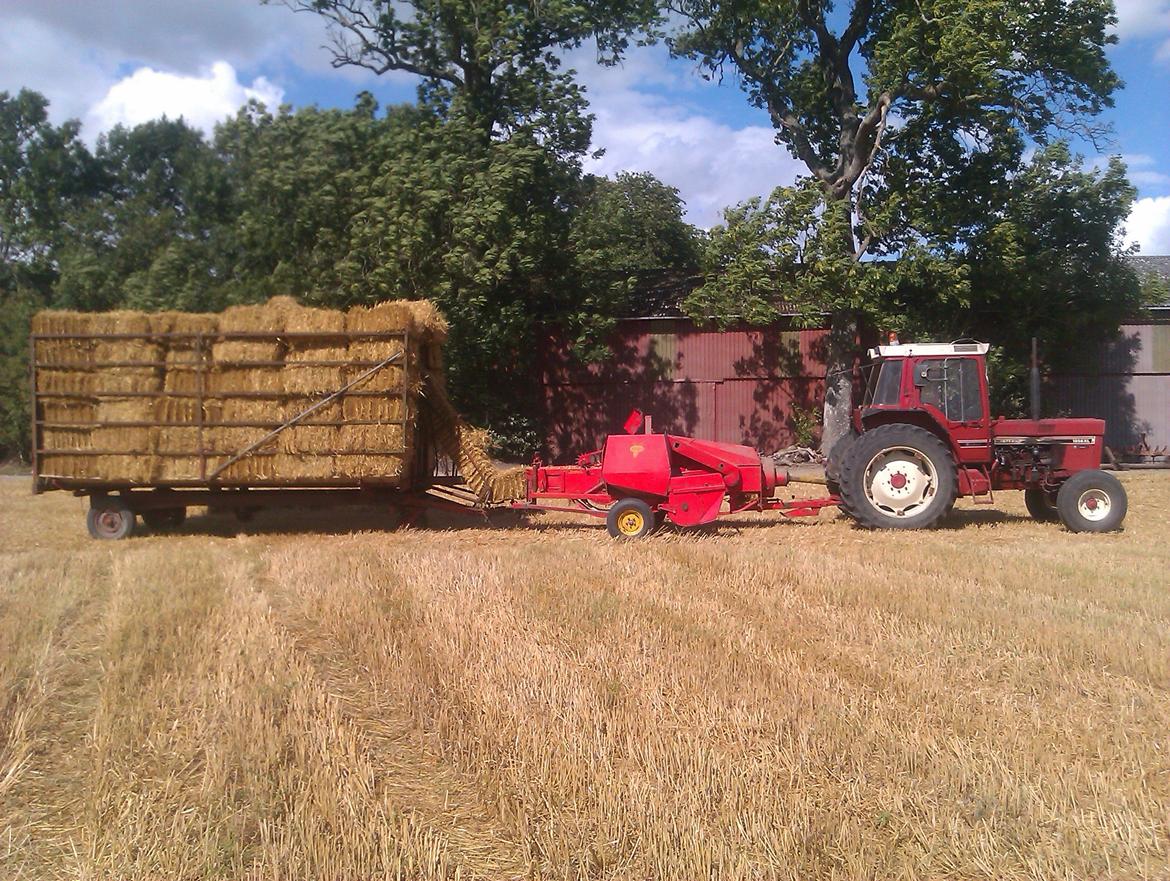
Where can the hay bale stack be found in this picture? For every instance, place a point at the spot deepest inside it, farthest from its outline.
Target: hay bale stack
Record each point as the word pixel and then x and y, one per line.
pixel 314 365
pixel 127 409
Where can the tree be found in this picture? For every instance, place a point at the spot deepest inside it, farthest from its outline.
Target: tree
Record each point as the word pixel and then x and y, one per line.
pixel 621 230
pixel 904 88
pixel 495 59
pixel 150 238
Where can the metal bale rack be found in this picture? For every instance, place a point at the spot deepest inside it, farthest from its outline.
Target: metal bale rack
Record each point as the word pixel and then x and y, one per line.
pixel 194 425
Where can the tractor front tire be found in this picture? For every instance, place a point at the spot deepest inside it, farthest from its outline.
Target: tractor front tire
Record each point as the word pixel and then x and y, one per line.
pixel 1092 501
pixel 898 477
pixel 1040 504
pixel 630 518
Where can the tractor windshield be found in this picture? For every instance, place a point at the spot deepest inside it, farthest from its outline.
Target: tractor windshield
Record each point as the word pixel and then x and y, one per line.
pixel 885 384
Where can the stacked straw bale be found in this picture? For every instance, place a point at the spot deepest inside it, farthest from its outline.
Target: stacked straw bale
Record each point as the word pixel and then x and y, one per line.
pixel 173 396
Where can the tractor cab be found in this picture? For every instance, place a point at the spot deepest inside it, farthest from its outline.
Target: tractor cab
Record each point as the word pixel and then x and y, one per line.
pixel 940 386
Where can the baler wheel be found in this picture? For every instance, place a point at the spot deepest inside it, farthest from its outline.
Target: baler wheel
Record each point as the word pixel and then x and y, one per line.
pixel 898 476
pixel 1092 501
pixel 1040 504
pixel 630 518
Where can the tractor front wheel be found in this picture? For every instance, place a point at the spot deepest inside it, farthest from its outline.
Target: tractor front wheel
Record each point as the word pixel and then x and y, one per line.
pixel 1040 504
pixel 898 477
pixel 1092 501
pixel 630 518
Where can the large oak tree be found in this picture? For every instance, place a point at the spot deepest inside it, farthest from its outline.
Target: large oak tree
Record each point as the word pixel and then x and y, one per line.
pixel 887 101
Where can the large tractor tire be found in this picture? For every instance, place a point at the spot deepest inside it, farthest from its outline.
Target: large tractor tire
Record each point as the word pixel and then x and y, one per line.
pixel 898 477
pixel 1040 504
pixel 835 457
pixel 1092 501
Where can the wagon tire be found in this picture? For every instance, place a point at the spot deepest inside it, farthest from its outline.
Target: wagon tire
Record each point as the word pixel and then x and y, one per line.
pixel 1092 501
pixel 164 518
pixel 898 477
pixel 630 518
pixel 110 521
pixel 1040 504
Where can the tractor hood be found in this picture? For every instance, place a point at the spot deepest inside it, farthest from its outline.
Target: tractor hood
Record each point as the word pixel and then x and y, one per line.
pixel 1022 430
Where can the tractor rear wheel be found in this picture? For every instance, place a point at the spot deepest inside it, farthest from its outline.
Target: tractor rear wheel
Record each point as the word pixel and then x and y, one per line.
pixel 835 457
pixel 630 518
pixel 1040 504
pixel 898 477
pixel 1092 501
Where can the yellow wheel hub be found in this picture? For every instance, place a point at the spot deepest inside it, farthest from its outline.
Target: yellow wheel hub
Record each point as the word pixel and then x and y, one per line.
pixel 631 523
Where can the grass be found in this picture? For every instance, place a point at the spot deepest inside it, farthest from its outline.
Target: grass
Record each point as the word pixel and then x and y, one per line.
pixel 319 697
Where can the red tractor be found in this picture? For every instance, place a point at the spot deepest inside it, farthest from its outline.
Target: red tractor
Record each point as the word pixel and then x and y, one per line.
pixel 922 437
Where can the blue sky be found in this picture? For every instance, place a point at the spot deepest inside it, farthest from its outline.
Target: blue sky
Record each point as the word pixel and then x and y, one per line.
pixel 105 61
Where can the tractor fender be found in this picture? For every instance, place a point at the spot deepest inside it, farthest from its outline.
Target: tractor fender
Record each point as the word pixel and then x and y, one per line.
pixel 874 416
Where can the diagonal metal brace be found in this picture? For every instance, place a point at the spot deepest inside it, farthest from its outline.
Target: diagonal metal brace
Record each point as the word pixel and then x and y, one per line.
pixel 251 448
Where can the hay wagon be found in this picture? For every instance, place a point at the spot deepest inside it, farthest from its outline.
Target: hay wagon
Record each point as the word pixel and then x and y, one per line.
pixel 279 404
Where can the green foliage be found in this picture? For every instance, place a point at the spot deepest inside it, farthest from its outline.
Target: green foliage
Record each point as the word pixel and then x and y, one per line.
pixel 785 252
pixel 622 229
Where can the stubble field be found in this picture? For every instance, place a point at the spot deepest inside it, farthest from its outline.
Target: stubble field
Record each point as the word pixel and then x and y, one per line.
pixel 319 697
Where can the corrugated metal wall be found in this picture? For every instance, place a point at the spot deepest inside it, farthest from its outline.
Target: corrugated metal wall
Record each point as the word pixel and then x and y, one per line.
pixel 741 385
pixel 1127 384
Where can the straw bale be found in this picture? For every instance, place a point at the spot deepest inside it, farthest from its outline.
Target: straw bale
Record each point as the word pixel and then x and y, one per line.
pixel 331 412
pixel 184 322
pixel 254 468
pixel 186 410
pixel 67 353
pixel 267 410
pixel 177 469
pixel 118 321
pixel 372 438
pixel 389 378
pixel 234 352
pixel 291 466
pixel 380 408
pixel 245 379
pixel 137 439
pixel 70 411
pixel 419 317
pixel 303 375
pixel 138 409
pixel 68 465
pixel 59 321
pixel 68 382
pixel 119 380
pixel 122 468
pixel 66 438
pixel 370 469
pixel 142 353
pixel 309 439
pixel 232 440
pixel 178 439
pixel 306 319
pixel 264 318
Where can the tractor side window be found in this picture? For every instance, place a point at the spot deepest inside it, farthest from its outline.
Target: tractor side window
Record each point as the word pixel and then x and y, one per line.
pixel 951 385
pixel 886 386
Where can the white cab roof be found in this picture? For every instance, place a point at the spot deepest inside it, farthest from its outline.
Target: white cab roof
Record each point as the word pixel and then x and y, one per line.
pixel 919 349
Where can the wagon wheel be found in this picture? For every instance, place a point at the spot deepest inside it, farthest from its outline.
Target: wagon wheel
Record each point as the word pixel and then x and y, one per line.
pixel 110 521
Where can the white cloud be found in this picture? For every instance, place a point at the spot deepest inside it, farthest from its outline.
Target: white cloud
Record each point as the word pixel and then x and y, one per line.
pixel 1148 226
pixel 713 164
pixel 1145 19
pixel 201 100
